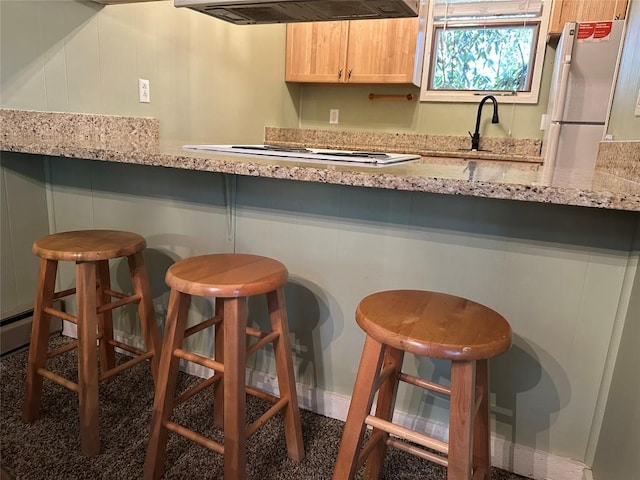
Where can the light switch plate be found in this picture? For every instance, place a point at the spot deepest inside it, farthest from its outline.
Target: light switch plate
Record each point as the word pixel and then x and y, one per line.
pixel 544 121
pixel 334 115
pixel 144 92
pixel 637 110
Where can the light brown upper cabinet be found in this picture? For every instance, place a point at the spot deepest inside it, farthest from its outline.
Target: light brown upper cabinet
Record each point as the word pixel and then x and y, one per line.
pixel 584 11
pixel 356 51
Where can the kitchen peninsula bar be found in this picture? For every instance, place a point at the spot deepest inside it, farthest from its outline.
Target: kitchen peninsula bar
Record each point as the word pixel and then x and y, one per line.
pixel 565 276
pixel 136 141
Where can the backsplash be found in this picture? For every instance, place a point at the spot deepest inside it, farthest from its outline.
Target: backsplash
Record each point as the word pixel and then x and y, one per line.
pixel 78 130
pixel 423 144
pixel 621 159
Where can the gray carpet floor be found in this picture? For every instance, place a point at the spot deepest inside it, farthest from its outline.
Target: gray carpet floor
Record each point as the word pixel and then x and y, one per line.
pixel 49 448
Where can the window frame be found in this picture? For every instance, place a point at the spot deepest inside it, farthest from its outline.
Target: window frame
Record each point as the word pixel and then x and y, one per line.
pixel 472 96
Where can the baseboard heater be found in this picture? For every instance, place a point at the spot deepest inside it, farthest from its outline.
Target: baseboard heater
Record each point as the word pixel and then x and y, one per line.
pixel 15 329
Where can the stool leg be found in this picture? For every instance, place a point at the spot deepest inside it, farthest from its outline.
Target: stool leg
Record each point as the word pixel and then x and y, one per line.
pixel 145 309
pixel 218 387
pixel 384 410
pixel 235 424
pixel 45 289
pixel 105 319
pixel 87 357
pixel 284 369
pixel 166 384
pixel 359 408
pixel 481 430
pixel 461 420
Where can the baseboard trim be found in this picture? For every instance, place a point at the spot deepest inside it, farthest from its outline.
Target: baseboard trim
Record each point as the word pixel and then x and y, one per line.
pixel 587 474
pixel 519 459
pixel 15 331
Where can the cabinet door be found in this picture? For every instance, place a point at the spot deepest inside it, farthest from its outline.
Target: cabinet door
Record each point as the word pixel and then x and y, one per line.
pixel 316 52
pixel 585 11
pixel 382 51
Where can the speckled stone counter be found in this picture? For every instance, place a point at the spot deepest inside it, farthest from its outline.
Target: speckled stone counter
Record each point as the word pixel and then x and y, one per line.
pixel 136 141
pixel 620 159
pixel 511 149
pixel 34 132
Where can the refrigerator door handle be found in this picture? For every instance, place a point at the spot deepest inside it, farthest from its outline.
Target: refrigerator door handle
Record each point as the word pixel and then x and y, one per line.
pixel 551 151
pixel 563 86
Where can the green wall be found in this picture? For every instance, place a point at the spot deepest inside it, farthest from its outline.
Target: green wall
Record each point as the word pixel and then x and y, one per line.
pixel 209 81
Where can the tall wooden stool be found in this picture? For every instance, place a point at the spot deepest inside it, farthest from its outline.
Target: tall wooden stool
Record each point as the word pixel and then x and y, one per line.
pixel 432 325
pixel 231 278
pixel 91 251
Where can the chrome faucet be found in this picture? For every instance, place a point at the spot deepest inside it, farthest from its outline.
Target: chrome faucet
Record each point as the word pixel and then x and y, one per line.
pixel 475 138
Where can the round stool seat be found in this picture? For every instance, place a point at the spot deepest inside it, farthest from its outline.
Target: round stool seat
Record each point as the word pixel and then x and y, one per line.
pixel 427 324
pixel 88 245
pixel 227 275
pixel 434 324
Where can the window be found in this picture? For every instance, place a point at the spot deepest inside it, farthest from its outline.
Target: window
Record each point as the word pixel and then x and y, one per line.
pixel 477 47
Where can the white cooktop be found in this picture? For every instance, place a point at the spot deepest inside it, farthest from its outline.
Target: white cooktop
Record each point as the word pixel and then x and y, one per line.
pixel 312 154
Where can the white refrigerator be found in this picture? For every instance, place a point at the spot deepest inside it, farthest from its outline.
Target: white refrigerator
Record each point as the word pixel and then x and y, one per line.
pixel 582 85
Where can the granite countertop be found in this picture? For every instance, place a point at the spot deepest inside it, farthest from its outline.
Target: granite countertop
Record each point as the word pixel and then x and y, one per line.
pixel 516 175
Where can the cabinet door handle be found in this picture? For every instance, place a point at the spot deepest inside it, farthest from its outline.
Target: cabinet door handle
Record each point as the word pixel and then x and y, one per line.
pixel 339 74
pixel 349 74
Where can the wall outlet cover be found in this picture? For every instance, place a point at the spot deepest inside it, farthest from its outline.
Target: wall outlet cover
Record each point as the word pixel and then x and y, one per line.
pixel 144 94
pixel 334 115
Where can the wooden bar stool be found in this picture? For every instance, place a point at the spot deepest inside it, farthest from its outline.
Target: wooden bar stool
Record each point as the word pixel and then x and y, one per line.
pixel 432 325
pixel 231 278
pixel 91 251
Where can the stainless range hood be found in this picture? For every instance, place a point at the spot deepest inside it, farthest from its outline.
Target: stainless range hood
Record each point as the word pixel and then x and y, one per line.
pixel 251 12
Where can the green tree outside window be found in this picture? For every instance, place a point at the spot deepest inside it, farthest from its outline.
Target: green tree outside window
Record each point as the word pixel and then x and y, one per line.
pixel 495 58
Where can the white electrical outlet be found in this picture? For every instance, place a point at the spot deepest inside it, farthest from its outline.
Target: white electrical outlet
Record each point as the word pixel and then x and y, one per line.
pixel 334 115
pixel 637 110
pixel 144 94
